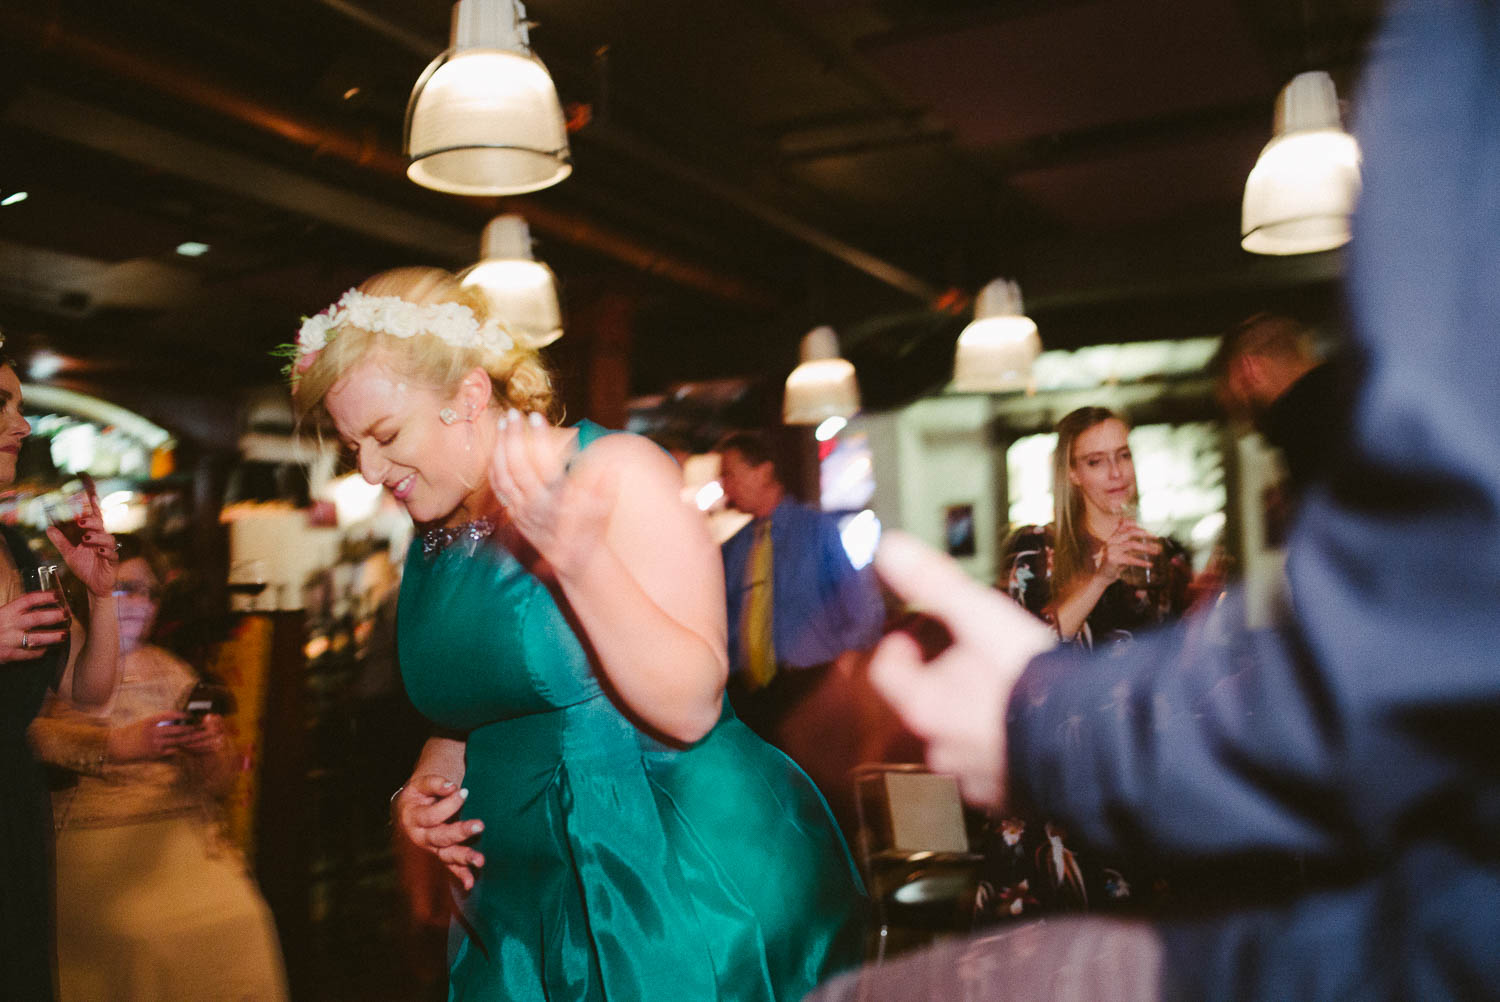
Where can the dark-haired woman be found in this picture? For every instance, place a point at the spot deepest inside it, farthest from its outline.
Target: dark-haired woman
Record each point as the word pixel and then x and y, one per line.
pixel 36 643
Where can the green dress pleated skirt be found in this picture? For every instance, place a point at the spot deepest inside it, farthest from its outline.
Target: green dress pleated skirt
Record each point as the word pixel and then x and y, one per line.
pixel 616 866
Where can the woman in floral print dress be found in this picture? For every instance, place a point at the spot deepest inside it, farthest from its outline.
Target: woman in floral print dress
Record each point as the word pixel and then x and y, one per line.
pixel 1069 573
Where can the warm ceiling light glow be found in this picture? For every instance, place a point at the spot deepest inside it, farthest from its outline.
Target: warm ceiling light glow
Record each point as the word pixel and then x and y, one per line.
pixel 351 93
pixel 14 197
pixel 1301 193
pixel 708 495
pixel 192 248
pixel 996 351
pixel 521 291
pixel 44 365
pixel 484 118
pixel 354 499
pixel 861 537
pixel 830 427
pixel 823 386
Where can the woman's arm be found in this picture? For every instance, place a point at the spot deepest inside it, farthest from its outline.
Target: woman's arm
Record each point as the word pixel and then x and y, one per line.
pixel 96 670
pixel 1129 546
pixel 1077 600
pixel 83 743
pixel 423 808
pixel 636 566
pixel 93 560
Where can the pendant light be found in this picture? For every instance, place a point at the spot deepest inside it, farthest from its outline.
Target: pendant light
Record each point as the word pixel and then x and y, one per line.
pixel 823 386
pixel 521 291
pixel 484 118
pixel 996 350
pixel 1301 192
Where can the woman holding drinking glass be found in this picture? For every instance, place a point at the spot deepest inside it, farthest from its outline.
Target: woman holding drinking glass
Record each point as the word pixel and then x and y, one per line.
pixel 1096 577
pixel 36 644
pixel 1082 573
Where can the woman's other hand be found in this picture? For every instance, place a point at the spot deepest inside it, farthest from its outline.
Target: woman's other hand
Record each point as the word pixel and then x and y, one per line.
pixel 155 737
pixel 424 811
pixel 207 738
pixel 563 521
pixel 29 625
pixel 93 560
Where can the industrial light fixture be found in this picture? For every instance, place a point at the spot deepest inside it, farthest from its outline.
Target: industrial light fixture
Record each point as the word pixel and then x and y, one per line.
pixel 1301 192
pixel 14 197
pixel 822 386
pixel 192 248
pixel 996 350
pixel 484 118
pixel 522 291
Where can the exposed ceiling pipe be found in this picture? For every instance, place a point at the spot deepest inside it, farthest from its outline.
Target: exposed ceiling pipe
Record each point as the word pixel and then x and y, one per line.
pixel 50 36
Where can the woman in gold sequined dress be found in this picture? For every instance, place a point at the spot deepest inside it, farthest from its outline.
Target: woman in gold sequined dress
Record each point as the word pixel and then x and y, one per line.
pixel 152 902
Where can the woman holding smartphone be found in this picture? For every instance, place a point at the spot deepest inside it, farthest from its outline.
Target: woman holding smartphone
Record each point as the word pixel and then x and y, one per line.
pixel 152 902
pixel 36 642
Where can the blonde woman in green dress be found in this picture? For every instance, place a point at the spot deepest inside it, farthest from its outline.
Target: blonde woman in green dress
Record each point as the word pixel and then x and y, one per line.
pixel 612 830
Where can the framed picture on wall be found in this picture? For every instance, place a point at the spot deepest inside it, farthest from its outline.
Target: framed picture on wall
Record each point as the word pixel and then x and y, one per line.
pixel 958 530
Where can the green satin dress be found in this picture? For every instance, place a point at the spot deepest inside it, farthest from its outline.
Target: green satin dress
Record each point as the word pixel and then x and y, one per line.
pixel 616 866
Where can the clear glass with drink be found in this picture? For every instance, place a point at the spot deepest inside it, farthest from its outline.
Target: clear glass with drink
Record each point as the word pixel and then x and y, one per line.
pixel 1142 577
pixel 48 578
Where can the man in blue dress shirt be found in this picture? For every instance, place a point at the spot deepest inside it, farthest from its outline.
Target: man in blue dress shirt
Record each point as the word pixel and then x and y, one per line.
pixel 812 611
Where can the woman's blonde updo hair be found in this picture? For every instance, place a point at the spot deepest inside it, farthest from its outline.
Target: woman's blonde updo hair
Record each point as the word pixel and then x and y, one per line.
pixel 519 377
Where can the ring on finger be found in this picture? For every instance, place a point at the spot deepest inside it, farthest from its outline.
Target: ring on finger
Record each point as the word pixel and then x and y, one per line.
pixel 25 640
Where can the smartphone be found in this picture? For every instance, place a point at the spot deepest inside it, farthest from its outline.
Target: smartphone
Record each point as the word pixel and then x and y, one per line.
pixel 206 698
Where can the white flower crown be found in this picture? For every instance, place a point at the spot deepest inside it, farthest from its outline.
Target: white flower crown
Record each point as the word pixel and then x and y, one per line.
pixel 453 323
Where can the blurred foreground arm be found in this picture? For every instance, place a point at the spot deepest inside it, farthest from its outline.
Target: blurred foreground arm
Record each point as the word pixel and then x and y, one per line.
pixel 955 702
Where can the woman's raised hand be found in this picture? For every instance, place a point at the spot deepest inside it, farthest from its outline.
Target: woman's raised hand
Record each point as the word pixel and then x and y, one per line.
pixel 1128 546
pixel 562 519
pixel 93 560
pixel 424 810
pixel 29 625
pixel 149 738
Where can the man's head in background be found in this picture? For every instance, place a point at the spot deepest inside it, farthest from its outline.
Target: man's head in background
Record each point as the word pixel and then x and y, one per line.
pixel 748 473
pixel 1259 360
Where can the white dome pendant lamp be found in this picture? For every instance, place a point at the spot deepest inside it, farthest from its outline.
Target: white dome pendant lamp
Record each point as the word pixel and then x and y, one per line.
pixel 521 290
pixel 997 349
pixel 484 118
pixel 823 385
pixel 1301 192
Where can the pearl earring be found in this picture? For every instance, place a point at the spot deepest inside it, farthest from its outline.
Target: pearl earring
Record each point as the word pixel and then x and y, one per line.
pixel 448 415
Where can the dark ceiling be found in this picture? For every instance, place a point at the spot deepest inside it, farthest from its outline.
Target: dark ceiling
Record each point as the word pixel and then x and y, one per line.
pixel 744 170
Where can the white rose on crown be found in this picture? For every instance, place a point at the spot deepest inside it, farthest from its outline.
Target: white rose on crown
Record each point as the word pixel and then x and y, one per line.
pixel 314 333
pixel 453 323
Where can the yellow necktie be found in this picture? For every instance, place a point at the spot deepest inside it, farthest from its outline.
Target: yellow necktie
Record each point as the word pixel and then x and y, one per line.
pixel 756 640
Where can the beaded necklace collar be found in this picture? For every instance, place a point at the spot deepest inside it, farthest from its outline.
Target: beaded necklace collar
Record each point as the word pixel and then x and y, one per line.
pixel 438 539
